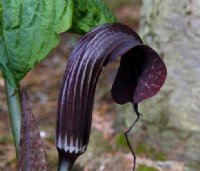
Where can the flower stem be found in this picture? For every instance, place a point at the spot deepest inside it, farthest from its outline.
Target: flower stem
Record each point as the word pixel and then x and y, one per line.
pixel 14 107
pixel 66 160
pixel 64 166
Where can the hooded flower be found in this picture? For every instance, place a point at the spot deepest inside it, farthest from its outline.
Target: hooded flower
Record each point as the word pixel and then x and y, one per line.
pixel 140 75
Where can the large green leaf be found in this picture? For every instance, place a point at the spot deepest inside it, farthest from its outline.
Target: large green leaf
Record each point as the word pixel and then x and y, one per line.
pixel 29 29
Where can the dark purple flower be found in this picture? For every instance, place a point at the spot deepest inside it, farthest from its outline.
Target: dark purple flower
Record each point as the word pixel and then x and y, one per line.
pixel 141 74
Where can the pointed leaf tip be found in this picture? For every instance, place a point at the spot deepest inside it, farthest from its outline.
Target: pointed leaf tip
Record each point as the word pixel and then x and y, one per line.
pixel 32 154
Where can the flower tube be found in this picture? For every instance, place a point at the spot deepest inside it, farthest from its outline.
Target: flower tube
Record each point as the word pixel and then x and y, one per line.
pixel 141 74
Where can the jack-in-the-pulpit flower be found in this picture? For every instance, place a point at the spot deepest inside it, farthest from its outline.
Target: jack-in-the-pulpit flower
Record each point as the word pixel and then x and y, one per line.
pixel 141 74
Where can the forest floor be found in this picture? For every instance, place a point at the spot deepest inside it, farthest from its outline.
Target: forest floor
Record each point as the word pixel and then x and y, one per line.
pixel 107 150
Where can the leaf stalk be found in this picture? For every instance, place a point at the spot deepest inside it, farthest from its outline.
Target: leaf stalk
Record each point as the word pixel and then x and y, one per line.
pixel 14 108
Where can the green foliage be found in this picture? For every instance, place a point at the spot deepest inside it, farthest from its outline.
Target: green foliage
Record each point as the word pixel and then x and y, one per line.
pixel 88 14
pixel 192 165
pixel 121 142
pixel 150 152
pixel 1 28
pixel 29 29
pixel 6 139
pixel 146 168
pixel 103 145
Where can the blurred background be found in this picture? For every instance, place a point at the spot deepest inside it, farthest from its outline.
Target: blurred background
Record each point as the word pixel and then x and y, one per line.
pixel 167 138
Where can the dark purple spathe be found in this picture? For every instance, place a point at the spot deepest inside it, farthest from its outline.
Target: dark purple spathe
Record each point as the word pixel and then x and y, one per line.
pixel 140 76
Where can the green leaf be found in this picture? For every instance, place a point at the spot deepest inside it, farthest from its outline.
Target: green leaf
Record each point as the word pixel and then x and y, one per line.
pixel 29 29
pixel 1 30
pixel 90 13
